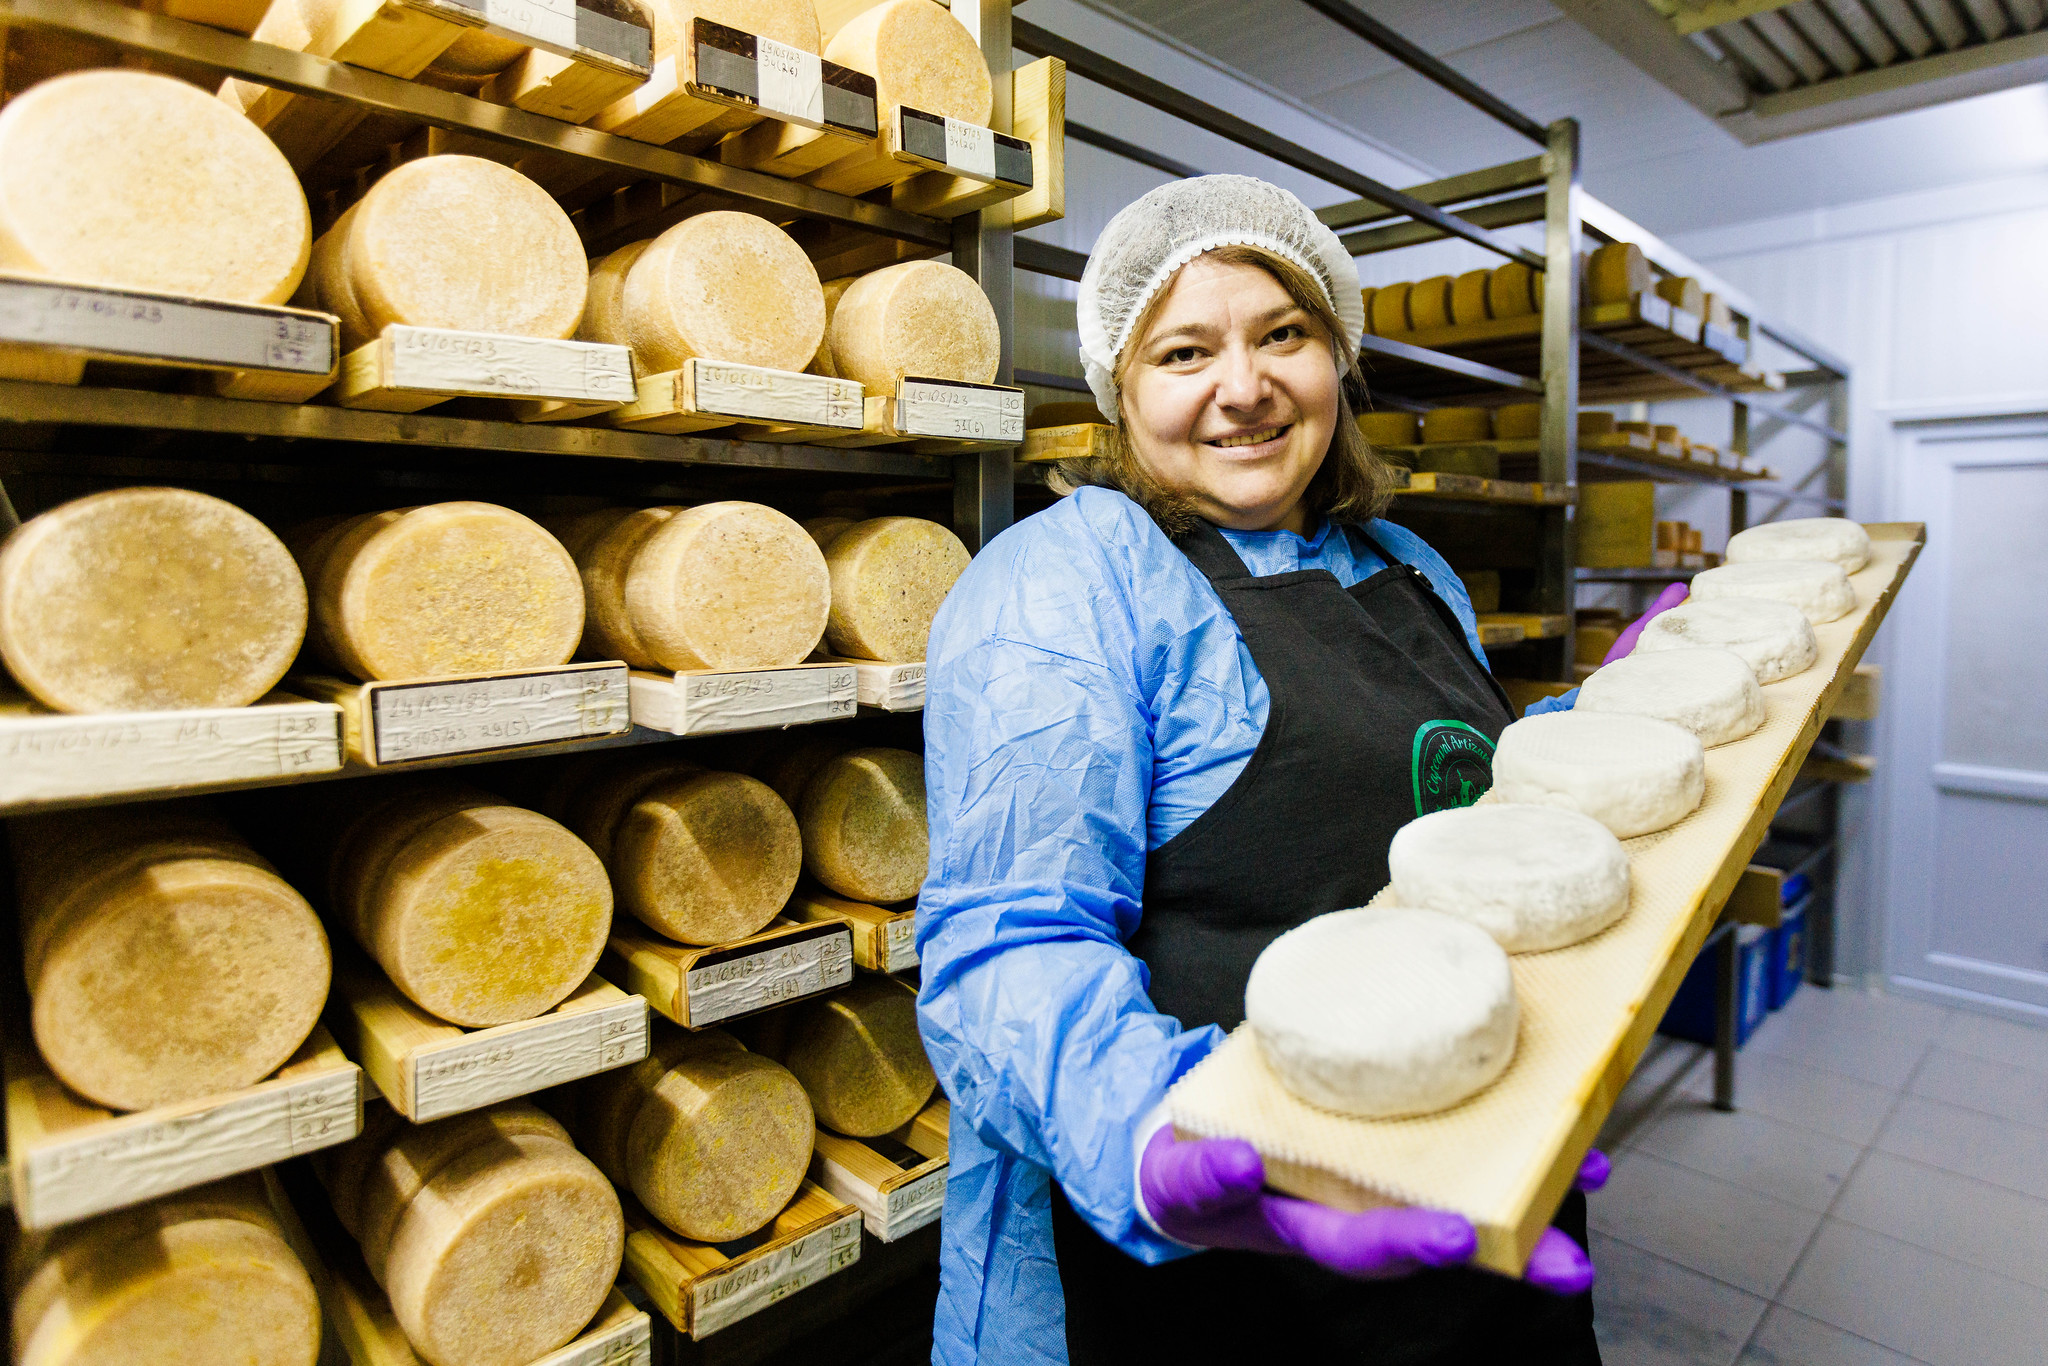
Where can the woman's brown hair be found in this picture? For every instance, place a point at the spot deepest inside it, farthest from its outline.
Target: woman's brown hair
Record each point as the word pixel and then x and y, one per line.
pixel 1352 485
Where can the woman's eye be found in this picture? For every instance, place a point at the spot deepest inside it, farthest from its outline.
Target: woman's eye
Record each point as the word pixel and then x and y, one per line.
pixel 1291 332
pixel 1180 355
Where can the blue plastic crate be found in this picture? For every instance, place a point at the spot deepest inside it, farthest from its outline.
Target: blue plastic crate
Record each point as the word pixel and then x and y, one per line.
pixel 1691 1015
pixel 1787 954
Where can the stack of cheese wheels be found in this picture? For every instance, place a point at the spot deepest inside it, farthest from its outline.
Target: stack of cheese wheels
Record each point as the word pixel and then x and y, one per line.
pixel 451 241
pixel 722 286
pixel 701 857
pixel 824 530
pixel 1712 693
pixel 126 178
pixel 713 1139
pixel 495 1239
pixel 720 586
pixel 789 766
pixel 863 821
pixel 1774 639
pixel 889 576
pixel 449 588
pixel 915 319
pixel 860 1060
pixel 147 599
pixel 1818 588
pixel 446 885
pixel 920 56
pixel 1533 877
pixel 1835 539
pixel 1633 774
pixel 1383 1011
pixel 835 290
pixel 165 960
pixel 200 1278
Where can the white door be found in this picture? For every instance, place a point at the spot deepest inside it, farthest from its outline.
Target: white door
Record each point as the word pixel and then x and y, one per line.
pixel 1967 834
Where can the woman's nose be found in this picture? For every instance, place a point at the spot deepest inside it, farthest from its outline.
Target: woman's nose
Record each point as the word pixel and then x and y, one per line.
pixel 1241 380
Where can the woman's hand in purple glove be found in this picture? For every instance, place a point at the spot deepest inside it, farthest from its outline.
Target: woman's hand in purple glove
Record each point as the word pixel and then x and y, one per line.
pixel 1626 641
pixel 1211 1193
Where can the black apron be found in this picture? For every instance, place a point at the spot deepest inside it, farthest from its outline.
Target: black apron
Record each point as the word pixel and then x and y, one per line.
pixel 1380 713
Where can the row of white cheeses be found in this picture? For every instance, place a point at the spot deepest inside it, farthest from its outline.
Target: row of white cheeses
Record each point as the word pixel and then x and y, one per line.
pixel 1409 1007
pixel 202 204
pixel 167 960
pixel 148 599
pixel 496 1235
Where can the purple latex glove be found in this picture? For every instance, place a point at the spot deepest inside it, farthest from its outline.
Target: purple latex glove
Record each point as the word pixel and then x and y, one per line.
pixel 1210 1193
pixel 1626 641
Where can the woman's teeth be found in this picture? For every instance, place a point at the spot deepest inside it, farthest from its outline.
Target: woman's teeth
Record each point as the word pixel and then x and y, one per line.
pixel 1249 438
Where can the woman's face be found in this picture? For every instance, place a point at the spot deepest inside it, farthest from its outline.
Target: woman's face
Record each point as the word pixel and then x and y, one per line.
pixel 1230 397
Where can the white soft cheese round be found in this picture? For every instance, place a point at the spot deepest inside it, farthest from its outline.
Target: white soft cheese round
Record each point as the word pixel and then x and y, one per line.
pixel 1804 538
pixel 1633 774
pixel 1533 877
pixel 1818 588
pixel 1774 638
pixel 1383 1011
pixel 1711 692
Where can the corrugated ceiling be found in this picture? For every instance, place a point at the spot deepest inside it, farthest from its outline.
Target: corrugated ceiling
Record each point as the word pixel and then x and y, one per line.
pixel 1779 47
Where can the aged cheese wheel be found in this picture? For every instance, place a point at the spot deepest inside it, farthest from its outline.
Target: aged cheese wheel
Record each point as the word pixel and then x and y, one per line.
pixel 146 599
pixel 1429 302
pixel 1468 297
pixel 1514 290
pixel 1818 588
pixel 449 889
pixel 1456 424
pixel 505 1254
pixel 199 1279
pixel 596 792
pixel 461 242
pixel 604 318
pixel 128 178
pixel 728 586
pixel 723 286
pixel 824 530
pixel 834 290
pixel 326 284
pixel 1518 421
pixel 1389 312
pixel 1617 273
pixel 889 576
pixel 1480 462
pixel 1533 877
pixel 163 964
pixel 1684 292
pixel 860 1060
pixel 919 55
pixel 1383 1011
pixel 1774 638
pixel 448 588
pixel 790 768
pixel 863 823
pixel 1712 693
pixel 707 858
pixel 1596 423
pixel 345 1169
pixel 1802 538
pixel 1388 429
pixel 793 23
pixel 608 631
pixel 918 318
pixel 1633 774
pixel 468 64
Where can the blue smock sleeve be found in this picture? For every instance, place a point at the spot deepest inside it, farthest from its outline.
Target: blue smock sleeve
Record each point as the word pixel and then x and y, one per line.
pixel 1038 773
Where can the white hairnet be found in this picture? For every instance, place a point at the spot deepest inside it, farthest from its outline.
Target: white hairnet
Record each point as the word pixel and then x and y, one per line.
pixel 1158 234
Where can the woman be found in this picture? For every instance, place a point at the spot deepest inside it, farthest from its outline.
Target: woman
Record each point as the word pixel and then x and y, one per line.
pixel 1168 719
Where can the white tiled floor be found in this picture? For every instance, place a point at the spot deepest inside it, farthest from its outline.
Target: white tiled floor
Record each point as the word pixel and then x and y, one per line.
pixel 1879 1199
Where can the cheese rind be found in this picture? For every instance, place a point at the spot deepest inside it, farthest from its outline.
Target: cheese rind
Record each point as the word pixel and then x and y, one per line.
pixel 1383 1011
pixel 920 55
pixel 1805 538
pixel 822 363
pixel 603 565
pixel 1633 774
pixel 919 319
pixel 859 1057
pixel 728 586
pixel 889 576
pixel 1712 693
pixel 1774 638
pixel 1533 877
pixel 603 310
pixel 1818 588
pixel 133 179
pixel 824 530
pixel 147 599
pixel 723 286
pixel 863 821
pixel 707 858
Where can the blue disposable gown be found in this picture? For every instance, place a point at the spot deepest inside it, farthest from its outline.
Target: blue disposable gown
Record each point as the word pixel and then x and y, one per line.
pixel 1088 695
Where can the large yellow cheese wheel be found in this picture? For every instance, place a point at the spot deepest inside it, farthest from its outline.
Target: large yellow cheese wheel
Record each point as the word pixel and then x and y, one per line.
pixel 889 576
pixel 1389 311
pixel 707 858
pixel 714 1140
pixel 1429 303
pixel 608 631
pixel 917 318
pixel 863 823
pixel 834 290
pixel 794 23
pixel 345 1168
pixel 1456 424
pixel 603 318
pixel 919 55
pixel 789 767
pixel 1616 273
pixel 505 1254
pixel 723 286
pixel 456 241
pixel 824 530
pixel 446 887
pixel 1468 297
pixel 859 1057
pixel 593 794
pixel 728 586
pixel 128 178
pixel 200 1279
pixel 163 964
pixel 1388 429
pixel 1514 291
pixel 1684 292
pixel 145 599
pixel 1594 422
pixel 1518 421
pixel 449 588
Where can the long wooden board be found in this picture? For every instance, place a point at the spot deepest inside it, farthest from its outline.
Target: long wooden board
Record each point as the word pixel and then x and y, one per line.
pixel 1506 1157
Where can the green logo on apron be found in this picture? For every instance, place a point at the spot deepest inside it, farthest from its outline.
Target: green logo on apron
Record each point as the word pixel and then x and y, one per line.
pixel 1452 766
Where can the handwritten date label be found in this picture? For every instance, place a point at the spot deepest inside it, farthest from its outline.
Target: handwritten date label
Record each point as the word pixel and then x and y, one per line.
pixel 954 408
pixel 780 973
pixel 413 721
pixel 162 327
